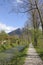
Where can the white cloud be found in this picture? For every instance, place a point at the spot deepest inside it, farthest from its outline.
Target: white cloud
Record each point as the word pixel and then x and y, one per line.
pixel 19 1
pixel 6 28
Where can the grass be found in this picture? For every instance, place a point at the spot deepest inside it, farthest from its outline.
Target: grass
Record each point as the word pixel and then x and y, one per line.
pixel 13 58
pixel 40 52
pixel 39 47
pixel 4 47
pixel 20 58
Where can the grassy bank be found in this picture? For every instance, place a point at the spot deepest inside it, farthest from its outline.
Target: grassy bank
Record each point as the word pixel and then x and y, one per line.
pixel 39 47
pixel 38 38
pixel 20 57
pixel 13 56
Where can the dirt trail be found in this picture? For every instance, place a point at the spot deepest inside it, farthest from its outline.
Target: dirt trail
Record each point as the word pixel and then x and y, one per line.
pixel 32 57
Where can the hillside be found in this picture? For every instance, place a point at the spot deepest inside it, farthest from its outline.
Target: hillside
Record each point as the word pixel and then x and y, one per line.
pixel 16 32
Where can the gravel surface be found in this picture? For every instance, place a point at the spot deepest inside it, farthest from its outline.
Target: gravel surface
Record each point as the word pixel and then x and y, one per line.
pixel 32 57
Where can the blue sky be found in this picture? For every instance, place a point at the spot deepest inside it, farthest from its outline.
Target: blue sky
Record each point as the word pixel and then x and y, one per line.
pixel 10 21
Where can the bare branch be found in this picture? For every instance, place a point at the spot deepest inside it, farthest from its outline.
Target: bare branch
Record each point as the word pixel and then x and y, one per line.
pixel 27 10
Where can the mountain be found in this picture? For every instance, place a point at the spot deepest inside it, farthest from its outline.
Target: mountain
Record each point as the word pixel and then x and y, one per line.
pixel 16 32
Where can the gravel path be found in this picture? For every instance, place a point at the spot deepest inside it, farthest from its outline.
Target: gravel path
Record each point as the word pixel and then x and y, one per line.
pixel 32 57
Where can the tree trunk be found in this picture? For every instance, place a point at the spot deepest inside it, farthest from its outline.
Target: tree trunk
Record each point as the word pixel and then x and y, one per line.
pixel 42 29
pixel 39 16
pixel 35 41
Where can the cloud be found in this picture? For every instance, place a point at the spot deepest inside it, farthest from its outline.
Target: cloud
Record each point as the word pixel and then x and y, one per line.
pixel 19 1
pixel 6 28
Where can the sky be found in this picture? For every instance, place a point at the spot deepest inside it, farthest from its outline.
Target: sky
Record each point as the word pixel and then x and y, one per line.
pixel 10 21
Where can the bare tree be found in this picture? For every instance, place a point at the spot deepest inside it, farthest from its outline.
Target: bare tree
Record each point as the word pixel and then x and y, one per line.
pixel 35 26
pixel 34 22
pixel 24 7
